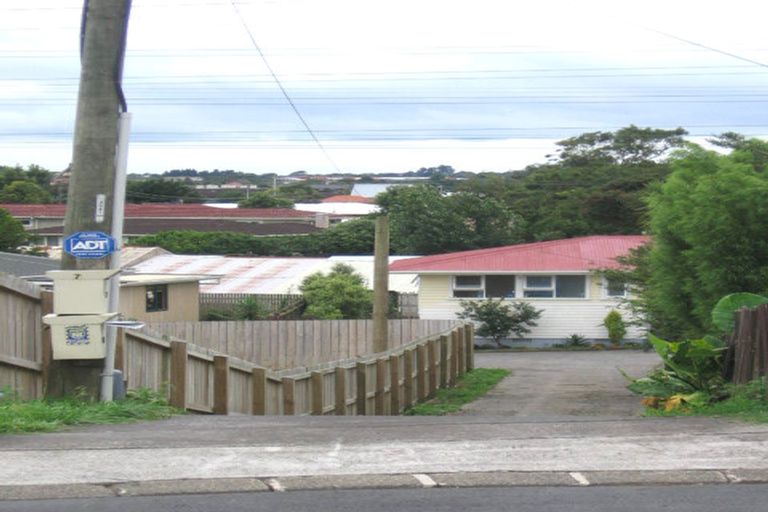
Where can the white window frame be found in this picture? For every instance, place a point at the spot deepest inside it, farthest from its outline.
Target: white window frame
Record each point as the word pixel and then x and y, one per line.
pixel 528 288
pixel 607 294
pixel 481 288
pixel 552 286
pixel 456 287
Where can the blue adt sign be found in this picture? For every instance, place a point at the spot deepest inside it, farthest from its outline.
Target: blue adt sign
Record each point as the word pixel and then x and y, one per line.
pixel 89 245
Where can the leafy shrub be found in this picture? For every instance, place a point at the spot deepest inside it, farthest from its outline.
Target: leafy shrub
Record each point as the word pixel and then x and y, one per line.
pixel 497 319
pixel 616 326
pixel 250 309
pixel 340 294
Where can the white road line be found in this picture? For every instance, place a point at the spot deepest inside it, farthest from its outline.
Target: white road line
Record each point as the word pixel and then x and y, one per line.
pixel 425 480
pixel 581 479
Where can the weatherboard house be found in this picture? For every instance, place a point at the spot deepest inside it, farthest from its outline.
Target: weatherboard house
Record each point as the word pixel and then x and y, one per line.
pixel 559 277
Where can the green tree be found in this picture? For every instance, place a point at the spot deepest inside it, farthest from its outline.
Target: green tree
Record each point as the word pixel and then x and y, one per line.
pixel 12 234
pixel 498 319
pixel 708 222
pixel 27 192
pixel 340 294
pixel 595 184
pixel 157 190
pixel 265 199
pixel 424 221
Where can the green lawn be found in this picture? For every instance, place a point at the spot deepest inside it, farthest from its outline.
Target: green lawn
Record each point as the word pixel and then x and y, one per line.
pixel 469 388
pixel 18 416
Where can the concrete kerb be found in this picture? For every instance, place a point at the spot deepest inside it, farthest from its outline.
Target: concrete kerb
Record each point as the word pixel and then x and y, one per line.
pixel 384 481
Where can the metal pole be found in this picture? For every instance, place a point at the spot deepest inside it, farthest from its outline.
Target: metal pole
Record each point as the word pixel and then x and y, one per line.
pixel 118 214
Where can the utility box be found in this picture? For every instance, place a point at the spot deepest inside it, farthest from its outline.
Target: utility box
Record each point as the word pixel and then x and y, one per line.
pixel 81 292
pixel 78 336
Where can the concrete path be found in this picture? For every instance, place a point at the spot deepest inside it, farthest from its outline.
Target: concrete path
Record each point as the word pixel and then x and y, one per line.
pixel 563 384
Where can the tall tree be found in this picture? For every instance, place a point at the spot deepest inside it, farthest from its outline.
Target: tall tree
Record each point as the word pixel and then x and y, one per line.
pixel 27 192
pixel 12 234
pixel 708 222
pixel 160 191
pixel 424 221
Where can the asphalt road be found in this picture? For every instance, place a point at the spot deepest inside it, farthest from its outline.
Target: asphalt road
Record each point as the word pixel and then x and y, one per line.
pixel 697 498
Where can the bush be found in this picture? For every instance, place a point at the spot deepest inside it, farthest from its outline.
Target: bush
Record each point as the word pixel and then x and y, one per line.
pixel 498 320
pixel 616 326
pixel 340 294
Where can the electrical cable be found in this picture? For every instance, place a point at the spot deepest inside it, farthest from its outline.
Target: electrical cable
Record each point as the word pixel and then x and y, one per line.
pixel 283 90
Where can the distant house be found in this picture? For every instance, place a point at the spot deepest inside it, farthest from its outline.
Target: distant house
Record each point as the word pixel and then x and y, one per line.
pixel 43 219
pixel 341 207
pixel 372 189
pixel 265 275
pixel 160 297
pixel 558 277
pixel 134 228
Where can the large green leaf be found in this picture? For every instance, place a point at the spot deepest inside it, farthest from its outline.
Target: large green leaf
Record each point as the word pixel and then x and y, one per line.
pixel 722 314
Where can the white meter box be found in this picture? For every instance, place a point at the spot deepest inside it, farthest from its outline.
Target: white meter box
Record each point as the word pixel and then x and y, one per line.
pixel 81 292
pixel 78 336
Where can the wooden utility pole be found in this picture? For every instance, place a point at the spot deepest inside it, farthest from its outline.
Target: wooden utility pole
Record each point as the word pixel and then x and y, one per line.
pixel 381 285
pixel 90 197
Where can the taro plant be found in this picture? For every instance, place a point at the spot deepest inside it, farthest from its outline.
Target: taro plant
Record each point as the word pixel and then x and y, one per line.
pixel 722 313
pixel 692 373
pixel 576 340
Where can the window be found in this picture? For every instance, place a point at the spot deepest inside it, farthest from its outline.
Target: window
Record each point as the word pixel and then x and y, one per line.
pixel 615 288
pixel 478 287
pixel 571 287
pixel 157 298
pixel 468 287
pixel 555 286
pixel 538 286
pixel 500 286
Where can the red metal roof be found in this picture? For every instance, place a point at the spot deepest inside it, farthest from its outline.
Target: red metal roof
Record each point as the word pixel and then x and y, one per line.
pixel 163 210
pixel 569 255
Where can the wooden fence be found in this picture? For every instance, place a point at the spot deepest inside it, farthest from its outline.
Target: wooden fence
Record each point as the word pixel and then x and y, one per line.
pixel 22 306
pixel 749 344
pixel 280 345
pixel 281 305
pixel 207 381
pixel 287 306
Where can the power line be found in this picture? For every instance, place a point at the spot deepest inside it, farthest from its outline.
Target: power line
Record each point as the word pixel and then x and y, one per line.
pixel 282 89
pixel 709 48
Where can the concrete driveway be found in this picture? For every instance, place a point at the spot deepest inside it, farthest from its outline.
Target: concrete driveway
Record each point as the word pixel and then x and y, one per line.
pixel 562 384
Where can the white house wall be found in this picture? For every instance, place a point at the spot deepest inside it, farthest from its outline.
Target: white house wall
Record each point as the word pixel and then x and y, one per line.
pixel 560 317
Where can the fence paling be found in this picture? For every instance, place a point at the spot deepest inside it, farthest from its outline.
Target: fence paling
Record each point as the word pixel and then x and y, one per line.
pixel 23 360
pixel 750 344
pixel 287 344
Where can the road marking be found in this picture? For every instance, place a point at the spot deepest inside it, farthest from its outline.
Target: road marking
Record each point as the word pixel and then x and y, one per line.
pixel 275 485
pixel 581 479
pixel 425 480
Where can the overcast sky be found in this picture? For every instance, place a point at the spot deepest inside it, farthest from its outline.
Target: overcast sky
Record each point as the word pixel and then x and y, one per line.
pixel 482 85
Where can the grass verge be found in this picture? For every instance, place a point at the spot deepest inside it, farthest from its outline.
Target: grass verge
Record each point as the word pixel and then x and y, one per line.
pixel 747 403
pixel 18 416
pixel 469 387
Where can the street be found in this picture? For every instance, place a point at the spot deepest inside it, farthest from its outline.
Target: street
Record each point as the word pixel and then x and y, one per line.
pixel 708 498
